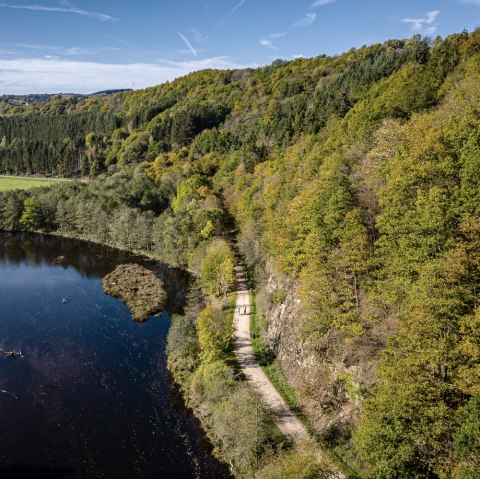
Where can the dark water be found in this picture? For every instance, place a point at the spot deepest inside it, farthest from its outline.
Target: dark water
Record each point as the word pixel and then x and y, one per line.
pixel 92 397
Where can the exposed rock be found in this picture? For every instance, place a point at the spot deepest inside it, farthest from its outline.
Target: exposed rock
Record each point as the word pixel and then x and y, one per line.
pixel 325 372
pixel 140 289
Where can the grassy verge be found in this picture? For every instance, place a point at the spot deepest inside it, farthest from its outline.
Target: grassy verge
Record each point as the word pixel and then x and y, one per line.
pixel 229 305
pixel 25 183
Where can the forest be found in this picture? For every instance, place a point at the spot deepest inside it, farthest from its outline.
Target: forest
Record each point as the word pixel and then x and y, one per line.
pixel 351 186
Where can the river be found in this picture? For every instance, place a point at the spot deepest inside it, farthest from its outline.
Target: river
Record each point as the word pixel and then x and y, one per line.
pixel 91 396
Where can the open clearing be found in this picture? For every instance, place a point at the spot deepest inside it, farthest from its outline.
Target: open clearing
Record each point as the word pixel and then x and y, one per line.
pixel 25 183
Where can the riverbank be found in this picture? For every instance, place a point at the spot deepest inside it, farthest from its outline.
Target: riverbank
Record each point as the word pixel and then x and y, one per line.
pixel 89 368
pixel 202 362
pixel 250 425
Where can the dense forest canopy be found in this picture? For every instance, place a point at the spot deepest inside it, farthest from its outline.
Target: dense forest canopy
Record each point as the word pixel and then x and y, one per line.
pixel 355 177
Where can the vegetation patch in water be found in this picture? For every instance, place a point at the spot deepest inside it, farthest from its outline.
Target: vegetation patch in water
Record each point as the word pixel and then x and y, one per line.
pixel 138 288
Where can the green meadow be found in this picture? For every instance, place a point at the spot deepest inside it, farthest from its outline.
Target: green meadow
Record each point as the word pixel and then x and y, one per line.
pixel 24 183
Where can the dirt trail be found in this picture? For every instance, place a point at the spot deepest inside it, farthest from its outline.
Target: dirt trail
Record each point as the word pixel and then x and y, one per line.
pixel 287 422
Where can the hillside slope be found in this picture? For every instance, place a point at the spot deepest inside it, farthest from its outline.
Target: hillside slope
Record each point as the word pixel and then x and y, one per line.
pixel 355 187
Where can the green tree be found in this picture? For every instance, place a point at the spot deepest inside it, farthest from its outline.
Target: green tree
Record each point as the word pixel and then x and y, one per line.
pixel 467 441
pixel 217 268
pixel 31 214
pixel 241 427
pixel 11 207
pixel 408 426
pixel 214 334
pixel 186 191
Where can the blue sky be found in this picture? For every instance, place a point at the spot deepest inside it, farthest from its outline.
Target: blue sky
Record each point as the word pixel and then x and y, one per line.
pixel 88 45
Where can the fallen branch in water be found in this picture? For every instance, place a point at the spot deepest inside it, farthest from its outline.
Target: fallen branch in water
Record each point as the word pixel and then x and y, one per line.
pixel 13 354
pixel 11 394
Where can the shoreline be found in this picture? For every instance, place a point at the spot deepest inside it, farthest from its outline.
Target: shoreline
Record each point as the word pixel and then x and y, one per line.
pixel 189 404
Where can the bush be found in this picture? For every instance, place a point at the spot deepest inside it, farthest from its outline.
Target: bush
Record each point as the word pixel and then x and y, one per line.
pixel 243 431
pixel 214 334
pixel 298 464
pixel 182 348
pixel 211 384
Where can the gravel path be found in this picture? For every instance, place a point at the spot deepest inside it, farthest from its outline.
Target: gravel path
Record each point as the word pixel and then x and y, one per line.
pixel 287 422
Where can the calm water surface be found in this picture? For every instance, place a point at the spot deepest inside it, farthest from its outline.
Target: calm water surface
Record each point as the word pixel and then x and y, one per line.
pixel 92 397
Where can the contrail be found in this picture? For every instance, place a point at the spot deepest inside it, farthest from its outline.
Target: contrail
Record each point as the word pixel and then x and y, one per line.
pixel 67 8
pixel 189 45
pixel 224 20
pixel 119 40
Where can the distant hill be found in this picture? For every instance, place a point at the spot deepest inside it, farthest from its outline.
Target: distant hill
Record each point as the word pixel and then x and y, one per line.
pixel 354 184
pixel 109 92
pixel 26 100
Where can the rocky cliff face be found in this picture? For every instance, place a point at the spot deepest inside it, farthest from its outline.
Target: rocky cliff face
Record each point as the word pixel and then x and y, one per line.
pixel 330 373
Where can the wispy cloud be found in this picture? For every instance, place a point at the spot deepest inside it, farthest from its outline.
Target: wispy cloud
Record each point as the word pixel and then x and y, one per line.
pixel 9 52
pixel 34 75
pixel 71 51
pixel 66 7
pixel 308 20
pixel 267 41
pixel 116 39
pixel 321 3
pixel 197 35
pixel 424 25
pixel 220 24
pixel 189 45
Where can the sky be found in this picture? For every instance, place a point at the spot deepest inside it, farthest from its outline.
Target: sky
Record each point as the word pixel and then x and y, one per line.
pixel 83 46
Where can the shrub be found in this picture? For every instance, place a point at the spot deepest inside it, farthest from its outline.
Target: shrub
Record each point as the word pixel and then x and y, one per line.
pixel 214 334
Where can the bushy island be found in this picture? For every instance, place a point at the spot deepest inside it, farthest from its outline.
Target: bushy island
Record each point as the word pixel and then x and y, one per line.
pixel 352 185
pixel 138 287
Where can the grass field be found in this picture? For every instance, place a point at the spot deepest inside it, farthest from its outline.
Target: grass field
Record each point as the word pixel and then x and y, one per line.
pixel 23 183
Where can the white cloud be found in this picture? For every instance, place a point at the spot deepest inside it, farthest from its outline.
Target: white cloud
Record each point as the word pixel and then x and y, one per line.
pixel 189 45
pixel 420 25
pixel 321 3
pixel 274 36
pixel 267 43
pixel 53 75
pixel 268 40
pixel 66 8
pixel 431 16
pixel 64 51
pixel 308 20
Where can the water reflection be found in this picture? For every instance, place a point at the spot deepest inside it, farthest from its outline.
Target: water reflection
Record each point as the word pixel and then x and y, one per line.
pixel 94 397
